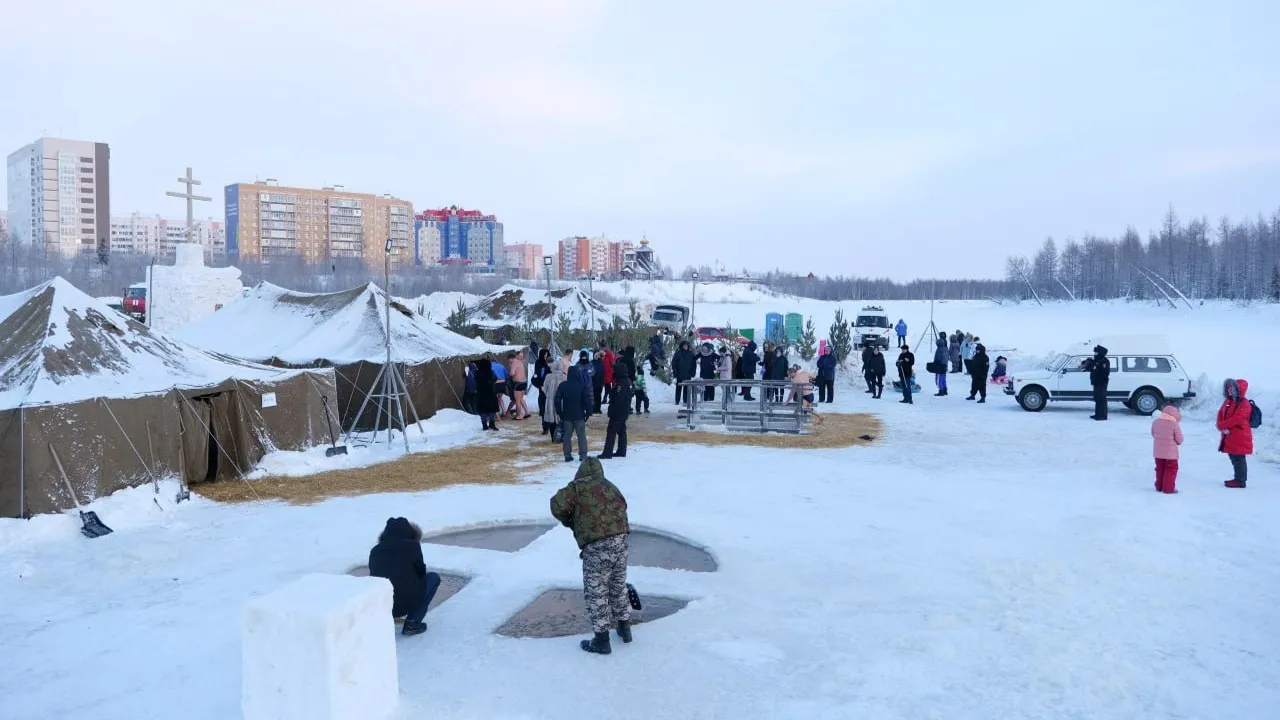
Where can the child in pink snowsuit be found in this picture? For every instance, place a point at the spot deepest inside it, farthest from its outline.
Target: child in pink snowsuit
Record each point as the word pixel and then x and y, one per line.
pixel 1167 436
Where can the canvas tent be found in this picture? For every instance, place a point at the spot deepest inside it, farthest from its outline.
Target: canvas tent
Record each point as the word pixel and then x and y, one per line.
pixel 122 404
pixel 347 331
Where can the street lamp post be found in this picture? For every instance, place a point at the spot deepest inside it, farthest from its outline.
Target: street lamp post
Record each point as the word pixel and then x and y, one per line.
pixel 694 304
pixel 551 318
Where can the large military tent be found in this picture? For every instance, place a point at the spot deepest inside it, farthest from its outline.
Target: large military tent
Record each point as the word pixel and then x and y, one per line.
pixel 348 331
pixel 120 404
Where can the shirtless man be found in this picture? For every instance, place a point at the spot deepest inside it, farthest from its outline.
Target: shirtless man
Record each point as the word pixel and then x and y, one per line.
pixel 802 381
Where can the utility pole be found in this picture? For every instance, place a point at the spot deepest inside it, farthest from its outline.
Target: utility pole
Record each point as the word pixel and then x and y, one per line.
pixel 694 304
pixel 551 320
pixel 190 198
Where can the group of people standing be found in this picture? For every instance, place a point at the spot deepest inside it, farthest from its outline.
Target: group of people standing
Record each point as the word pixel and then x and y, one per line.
pixel 960 352
pixel 492 389
pixel 570 393
pixel 726 364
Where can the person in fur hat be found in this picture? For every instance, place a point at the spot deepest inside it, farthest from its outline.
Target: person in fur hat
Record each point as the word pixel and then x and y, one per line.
pixel 398 558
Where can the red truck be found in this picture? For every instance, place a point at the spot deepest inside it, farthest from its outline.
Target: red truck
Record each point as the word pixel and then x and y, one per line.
pixel 135 302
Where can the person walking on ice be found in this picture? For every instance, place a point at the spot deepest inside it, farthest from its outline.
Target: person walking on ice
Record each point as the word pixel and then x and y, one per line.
pixel 596 511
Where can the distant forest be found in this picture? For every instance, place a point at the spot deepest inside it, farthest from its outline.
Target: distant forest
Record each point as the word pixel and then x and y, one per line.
pixel 1231 261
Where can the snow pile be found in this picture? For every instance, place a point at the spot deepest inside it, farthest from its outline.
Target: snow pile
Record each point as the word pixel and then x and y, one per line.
pixel 187 291
pixel 515 306
pixel 437 307
pixel 59 345
pixel 123 511
pixel 339 328
pixel 447 428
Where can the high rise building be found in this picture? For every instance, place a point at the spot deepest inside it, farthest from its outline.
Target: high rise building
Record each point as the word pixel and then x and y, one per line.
pixel 593 257
pixel 268 221
pixel 60 195
pixel 156 236
pixel 452 236
pixel 524 261
pixel 4 226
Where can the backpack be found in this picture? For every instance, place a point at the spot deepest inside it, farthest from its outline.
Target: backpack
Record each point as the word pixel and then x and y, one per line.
pixel 1255 415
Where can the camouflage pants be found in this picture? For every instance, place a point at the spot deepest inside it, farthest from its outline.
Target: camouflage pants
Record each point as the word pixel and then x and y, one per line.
pixel 604 582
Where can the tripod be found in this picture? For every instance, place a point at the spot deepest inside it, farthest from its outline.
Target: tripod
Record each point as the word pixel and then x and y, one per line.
pixel 929 332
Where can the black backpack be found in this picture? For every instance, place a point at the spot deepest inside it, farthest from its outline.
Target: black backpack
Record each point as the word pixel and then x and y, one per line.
pixel 1255 415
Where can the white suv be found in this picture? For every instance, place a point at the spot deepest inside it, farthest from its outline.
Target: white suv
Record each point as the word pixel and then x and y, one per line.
pixel 1144 375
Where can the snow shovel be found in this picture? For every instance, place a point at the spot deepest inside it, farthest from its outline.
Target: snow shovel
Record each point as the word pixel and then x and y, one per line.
pixel 336 449
pixel 92 527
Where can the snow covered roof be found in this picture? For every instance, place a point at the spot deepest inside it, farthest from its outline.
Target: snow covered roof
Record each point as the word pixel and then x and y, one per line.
pixel 59 345
pixel 1124 345
pixel 514 305
pixel 339 328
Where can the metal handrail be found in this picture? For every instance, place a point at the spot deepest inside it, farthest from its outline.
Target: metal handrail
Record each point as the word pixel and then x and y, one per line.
pixel 765 409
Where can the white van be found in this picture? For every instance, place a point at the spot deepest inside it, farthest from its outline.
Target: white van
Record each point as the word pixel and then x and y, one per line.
pixel 1144 375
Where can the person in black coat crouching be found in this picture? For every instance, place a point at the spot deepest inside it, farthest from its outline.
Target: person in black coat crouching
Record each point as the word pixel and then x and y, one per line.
pixel 398 558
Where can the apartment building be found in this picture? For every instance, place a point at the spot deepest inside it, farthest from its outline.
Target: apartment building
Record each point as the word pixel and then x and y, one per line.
pixel 454 236
pixel 59 195
pixel 524 261
pixel 156 236
pixel 267 221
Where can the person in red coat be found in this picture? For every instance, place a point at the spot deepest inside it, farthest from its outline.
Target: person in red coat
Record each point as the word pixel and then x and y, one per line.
pixel 609 359
pixel 1237 436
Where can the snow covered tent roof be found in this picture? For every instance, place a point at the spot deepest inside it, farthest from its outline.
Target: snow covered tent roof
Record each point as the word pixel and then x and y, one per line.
pixel 59 345
pixel 512 305
pixel 295 328
pixel 94 400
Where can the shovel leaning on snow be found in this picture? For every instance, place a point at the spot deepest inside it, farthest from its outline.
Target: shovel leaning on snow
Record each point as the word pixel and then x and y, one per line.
pixel 336 449
pixel 92 526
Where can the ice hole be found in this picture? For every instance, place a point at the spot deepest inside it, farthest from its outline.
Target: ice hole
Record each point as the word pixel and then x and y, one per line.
pixel 561 612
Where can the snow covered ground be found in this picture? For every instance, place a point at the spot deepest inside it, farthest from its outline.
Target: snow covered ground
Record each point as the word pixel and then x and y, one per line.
pixel 975 562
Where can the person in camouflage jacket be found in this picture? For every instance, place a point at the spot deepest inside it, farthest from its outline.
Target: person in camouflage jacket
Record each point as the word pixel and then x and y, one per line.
pixel 596 511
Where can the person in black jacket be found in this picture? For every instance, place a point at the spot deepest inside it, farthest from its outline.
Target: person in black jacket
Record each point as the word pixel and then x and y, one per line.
pixel 906 371
pixel 619 410
pixel 866 369
pixel 875 372
pixel 747 368
pixel 979 364
pixel 683 367
pixel 573 405
pixel 778 371
pixel 629 355
pixel 707 360
pixel 656 352
pixel 541 369
pixel 487 395
pixel 597 380
pixel 827 377
pixel 398 558
pixel 1099 367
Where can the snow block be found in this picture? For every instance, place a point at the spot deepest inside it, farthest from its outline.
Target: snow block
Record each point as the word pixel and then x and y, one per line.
pixel 320 648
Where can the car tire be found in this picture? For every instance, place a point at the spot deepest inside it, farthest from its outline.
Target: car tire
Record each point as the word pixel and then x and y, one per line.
pixel 1146 401
pixel 1033 398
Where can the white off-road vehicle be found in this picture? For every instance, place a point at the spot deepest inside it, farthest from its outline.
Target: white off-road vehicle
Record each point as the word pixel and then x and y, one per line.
pixel 872 327
pixel 1144 375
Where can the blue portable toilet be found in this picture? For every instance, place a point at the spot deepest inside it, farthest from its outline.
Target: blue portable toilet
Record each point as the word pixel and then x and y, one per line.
pixel 774 331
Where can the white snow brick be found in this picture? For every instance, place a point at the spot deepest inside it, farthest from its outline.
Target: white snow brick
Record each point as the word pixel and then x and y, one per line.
pixel 321 648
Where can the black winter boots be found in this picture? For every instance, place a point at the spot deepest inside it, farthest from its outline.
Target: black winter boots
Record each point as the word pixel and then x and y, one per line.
pixel 599 644
pixel 624 631
pixel 413 628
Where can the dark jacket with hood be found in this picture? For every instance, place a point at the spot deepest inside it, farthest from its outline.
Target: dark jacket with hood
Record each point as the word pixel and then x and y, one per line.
pixel 778 369
pixel 486 393
pixel 940 355
pixel 623 392
pixel 655 346
pixel 629 358
pixel 683 364
pixel 980 363
pixel 827 366
pixel 1099 367
pixel 598 372
pixel 469 379
pixel 541 369
pixel 707 360
pixel 875 364
pixel 749 361
pixel 398 558
pixel 591 506
pixel 573 398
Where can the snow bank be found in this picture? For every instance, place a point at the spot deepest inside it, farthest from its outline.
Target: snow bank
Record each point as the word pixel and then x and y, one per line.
pixel 447 428
pixel 437 307
pixel 516 306
pixel 187 291
pixel 123 511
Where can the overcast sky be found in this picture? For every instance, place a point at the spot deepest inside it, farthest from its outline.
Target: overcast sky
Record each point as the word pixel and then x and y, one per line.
pixel 906 139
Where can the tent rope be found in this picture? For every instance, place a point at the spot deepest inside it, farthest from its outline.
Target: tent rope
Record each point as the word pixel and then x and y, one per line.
pixel 217 442
pixel 150 472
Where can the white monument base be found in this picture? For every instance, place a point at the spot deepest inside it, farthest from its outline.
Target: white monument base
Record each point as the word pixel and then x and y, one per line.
pixel 321 648
pixel 187 290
